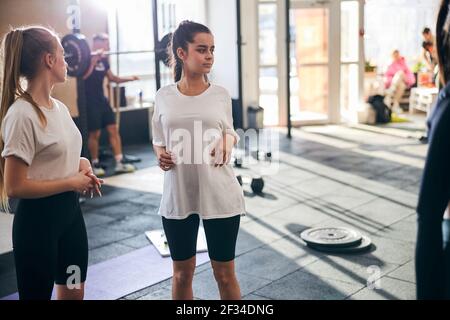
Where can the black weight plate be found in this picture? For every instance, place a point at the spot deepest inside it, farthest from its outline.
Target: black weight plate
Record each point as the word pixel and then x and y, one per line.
pixel 78 54
pixel 162 49
pixel 364 245
pixel 330 236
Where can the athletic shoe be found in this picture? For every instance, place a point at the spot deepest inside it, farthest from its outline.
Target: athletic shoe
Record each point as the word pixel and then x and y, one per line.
pixel 124 167
pixel 98 170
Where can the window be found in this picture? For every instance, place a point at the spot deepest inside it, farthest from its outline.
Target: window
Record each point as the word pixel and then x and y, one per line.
pixel 397 24
pixel 349 59
pixel 130 26
pixel 268 76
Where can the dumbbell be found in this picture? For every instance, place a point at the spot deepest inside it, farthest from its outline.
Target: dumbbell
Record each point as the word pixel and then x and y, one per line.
pixel 257 184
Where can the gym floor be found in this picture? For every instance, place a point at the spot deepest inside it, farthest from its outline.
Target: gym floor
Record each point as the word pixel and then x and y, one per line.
pixel 328 176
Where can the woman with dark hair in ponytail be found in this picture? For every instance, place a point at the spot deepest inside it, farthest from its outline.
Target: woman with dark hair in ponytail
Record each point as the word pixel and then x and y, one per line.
pixel 193 137
pixel 40 164
pixel 433 249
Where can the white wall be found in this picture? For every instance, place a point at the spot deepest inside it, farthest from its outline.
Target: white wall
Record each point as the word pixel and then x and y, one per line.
pixel 221 19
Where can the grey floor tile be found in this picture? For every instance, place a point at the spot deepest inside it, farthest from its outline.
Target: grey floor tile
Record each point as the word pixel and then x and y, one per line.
pixel 112 196
pixel 252 296
pixel 304 286
pixel 205 286
pixel 280 228
pixel 391 251
pixel 318 187
pixel 371 217
pixel 352 269
pixel 383 211
pixel 348 219
pixel 411 218
pixel 147 199
pixel 403 230
pixel 303 213
pixel 412 188
pixel 270 201
pixel 246 242
pixel 136 224
pixel 262 231
pixel 8 284
pixel 407 174
pixel 107 252
pixel 406 272
pixel 404 198
pixel 121 210
pixel 100 236
pixel 137 242
pixel 275 261
pixel 166 284
pixel 288 175
pixel 92 219
pixel 347 198
pixel 389 289
pixel 203 267
pixel 161 294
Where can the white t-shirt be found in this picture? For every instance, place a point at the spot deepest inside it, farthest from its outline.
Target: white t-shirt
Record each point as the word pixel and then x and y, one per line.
pixel 187 125
pixel 52 152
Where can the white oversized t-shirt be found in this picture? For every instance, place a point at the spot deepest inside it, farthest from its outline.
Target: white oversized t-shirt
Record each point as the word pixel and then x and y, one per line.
pixel 51 152
pixel 186 126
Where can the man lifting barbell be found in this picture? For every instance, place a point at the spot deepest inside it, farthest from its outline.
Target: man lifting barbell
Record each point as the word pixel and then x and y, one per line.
pixel 99 112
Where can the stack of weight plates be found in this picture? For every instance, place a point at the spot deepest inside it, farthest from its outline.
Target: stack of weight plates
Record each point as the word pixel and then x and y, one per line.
pixel 336 240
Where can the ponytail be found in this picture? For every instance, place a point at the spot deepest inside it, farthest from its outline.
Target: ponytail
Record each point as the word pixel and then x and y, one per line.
pixel 11 56
pixel 177 69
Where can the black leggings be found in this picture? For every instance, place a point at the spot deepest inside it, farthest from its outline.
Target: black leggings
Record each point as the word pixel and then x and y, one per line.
pixel 50 245
pixel 221 236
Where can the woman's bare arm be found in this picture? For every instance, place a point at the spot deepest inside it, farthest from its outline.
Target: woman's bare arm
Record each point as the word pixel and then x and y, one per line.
pixel 17 184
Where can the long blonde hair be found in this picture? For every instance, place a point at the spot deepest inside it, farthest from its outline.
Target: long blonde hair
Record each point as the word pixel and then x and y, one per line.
pixel 22 52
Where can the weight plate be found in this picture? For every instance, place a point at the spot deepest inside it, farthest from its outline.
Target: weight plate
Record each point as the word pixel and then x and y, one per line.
pixel 333 237
pixel 78 54
pixel 162 49
pixel 364 245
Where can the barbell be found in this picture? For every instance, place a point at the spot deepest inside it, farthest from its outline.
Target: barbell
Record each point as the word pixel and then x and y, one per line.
pixel 78 53
pixel 108 53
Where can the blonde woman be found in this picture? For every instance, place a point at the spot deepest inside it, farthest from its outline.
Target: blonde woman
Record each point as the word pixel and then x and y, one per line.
pixel 40 164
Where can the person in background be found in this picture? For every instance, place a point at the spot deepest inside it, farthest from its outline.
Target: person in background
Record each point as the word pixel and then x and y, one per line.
pixel 398 78
pixel 430 40
pixel 429 56
pixel 99 112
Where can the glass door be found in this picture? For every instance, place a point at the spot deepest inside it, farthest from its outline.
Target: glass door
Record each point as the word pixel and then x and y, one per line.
pixel 309 54
pixel 350 60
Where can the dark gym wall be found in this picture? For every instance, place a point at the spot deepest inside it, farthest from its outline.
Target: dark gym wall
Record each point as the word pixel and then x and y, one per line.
pixel 53 13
